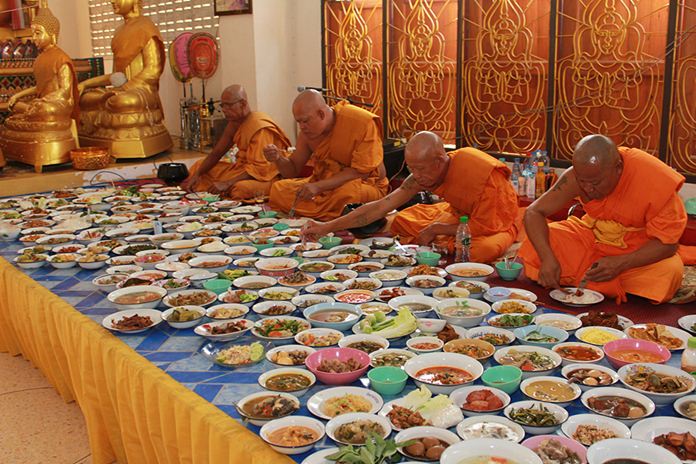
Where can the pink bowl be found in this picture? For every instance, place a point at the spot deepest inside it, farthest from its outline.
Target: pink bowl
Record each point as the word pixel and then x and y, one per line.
pixel 534 442
pixel 635 344
pixel 342 354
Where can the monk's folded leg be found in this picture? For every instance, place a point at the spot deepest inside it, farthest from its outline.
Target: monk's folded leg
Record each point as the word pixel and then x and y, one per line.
pixel 283 192
pixel 573 246
pixel 218 173
pixel 687 255
pixel 248 189
pixel 408 223
pixel 657 282
pixel 489 248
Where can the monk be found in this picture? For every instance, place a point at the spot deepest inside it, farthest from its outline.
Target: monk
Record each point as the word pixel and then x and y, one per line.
pixel 236 167
pixel 344 145
pixel 627 240
pixel 471 182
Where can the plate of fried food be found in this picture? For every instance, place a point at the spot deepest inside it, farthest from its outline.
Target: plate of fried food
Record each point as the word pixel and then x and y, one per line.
pixel 669 337
pixel 132 321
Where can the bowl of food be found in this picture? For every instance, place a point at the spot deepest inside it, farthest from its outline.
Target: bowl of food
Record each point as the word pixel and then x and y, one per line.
pixel 538 335
pixel 475 400
pixel 475 288
pixel 493 335
pixel 425 283
pixel 419 305
pixel 446 293
pixel 535 417
pixel 490 426
pixel 293 434
pixel 365 268
pixel 212 263
pixel 308 300
pixel 245 297
pixel 217 286
pixel 338 275
pixel 319 338
pixel 184 317
pixel 362 283
pixel 510 306
pixel 338 366
pixel 630 350
pixel 393 357
pixel 427 442
pixel 364 342
pixel 278 293
pixel 476 348
pixel 287 380
pixel 598 335
pixel 289 355
pixel 588 376
pixel 389 277
pixel 63 260
pixel 578 353
pixel 275 267
pixel 273 308
pixel 505 378
pixel 227 311
pixel 107 282
pixel 626 451
pixel 588 429
pixel 144 296
pixel 511 321
pixel 532 360
pixel 329 242
pixel 469 271
pixel 343 260
pixel 662 384
pixel 224 331
pixel 554 447
pixel 387 380
pixel 624 405
pixel 550 389
pixel 464 312
pixel 328 403
pixel 443 372
pixel 566 322
pixel 263 407
pixel 190 297
pixel 355 296
pixel 424 344
pixel 488 450
pixel 431 326
pixel 132 321
pixel 279 329
pixel 92 261
pixel 354 428
pixel 397 261
pixel 338 316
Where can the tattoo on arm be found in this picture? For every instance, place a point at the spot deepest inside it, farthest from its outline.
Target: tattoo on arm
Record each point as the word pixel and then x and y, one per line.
pixel 362 220
pixel 559 185
pixel 409 183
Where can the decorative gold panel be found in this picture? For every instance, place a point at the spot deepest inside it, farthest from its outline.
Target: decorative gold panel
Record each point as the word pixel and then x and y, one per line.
pixel 681 153
pixel 609 72
pixel 422 57
pixel 504 73
pixel 353 48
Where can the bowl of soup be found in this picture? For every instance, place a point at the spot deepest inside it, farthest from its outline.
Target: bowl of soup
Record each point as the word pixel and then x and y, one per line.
pixel 469 271
pixel 443 372
pixel 629 350
pixel 419 305
pixel 293 434
pixel 288 380
pixel 488 451
pixel 464 312
pixel 276 267
pixel 627 451
pixel 141 296
pixel 624 405
pixel 551 390
pixel 336 315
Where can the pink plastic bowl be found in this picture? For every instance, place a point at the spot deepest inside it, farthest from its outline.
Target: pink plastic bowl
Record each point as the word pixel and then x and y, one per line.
pixel 634 344
pixel 342 354
pixel 534 442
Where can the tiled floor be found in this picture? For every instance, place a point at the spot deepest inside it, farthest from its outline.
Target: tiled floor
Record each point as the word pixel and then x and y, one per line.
pixel 36 425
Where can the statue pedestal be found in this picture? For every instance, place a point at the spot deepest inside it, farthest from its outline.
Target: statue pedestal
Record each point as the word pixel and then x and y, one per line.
pixel 23 147
pixel 131 148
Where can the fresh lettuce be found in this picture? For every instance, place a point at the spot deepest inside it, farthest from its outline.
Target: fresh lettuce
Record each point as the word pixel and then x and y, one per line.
pixel 402 324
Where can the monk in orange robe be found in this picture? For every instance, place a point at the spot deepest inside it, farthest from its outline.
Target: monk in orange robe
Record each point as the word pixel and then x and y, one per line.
pixel 471 183
pixel 627 240
pixel 344 145
pixel 236 167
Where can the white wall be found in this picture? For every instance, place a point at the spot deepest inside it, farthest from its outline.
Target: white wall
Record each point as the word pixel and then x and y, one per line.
pixel 269 52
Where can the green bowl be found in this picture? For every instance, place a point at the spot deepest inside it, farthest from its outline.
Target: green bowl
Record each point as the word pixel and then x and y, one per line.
pixel 506 378
pixel 690 205
pixel 330 242
pixel 387 380
pixel 217 285
pixel 511 273
pixel 428 258
pixel 280 226
pixel 268 214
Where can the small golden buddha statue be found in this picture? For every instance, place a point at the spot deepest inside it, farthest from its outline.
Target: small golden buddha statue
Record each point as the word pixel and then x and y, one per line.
pixel 42 131
pixel 127 117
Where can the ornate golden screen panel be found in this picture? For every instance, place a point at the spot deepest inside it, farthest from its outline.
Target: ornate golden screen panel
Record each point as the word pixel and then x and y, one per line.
pixel 681 153
pixel 609 72
pixel 422 67
pixel 353 50
pixel 505 47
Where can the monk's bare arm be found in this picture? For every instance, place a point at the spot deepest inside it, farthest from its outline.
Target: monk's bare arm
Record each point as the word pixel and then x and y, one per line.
pixel 290 167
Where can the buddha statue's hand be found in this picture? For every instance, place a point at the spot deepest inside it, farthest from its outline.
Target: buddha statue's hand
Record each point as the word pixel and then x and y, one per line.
pixel 12 102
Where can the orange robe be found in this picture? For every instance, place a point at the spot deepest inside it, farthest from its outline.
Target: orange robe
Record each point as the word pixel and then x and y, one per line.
pixel 643 206
pixel 257 131
pixel 355 142
pixel 476 185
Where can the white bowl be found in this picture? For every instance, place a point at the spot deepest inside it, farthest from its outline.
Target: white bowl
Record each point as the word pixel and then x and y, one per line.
pixel 658 398
pixel 305 337
pixel 325 266
pixel 196 276
pixel 559 413
pixel 236 240
pixel 271 353
pixel 568 368
pixel 240 309
pixel 517 430
pixel 412 344
pixel 261 421
pixel 529 306
pixel 302 301
pixel 501 352
pixel 561 321
pixel 181 246
pixel 375 266
pixel 411 282
pixel 123 269
pixel 617 448
pixel 263 378
pixel 528 382
pixel 151 275
pixel 317 288
pixel 389 277
pixel 315 402
pixel 240 250
pixel 431 326
pixel 571 425
pixel 204 330
pixel 395 303
pixel 198 263
pixel 681 402
pixel 188 324
pixel 567 361
pixel 99 263
pixel 159 239
pixel 413 433
pixel 280 340
pixel 375 354
pixel 459 361
pixel 161 292
pixel 268 293
pixel 62 264
pixel 274 425
pixel 644 401
pixel 276 267
pixel 345 342
pixel 108 287
pixel 153 314
pixel 374 283
pixel 460 452
pixel 580 332
pixel 276 252
pixel 652 427
pixel 243 282
pixel 261 308
pixel 337 259
pixel 477 332
pixel 463 321
pixel 460 395
pixel 168 300
pixel 453 268
pixel 333 425
pixel 446 293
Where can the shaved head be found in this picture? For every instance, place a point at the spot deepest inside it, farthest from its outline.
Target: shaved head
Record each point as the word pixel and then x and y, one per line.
pixel 235 92
pixel 314 116
pixel 309 100
pixel 597 166
pixel 426 159
pixel 235 105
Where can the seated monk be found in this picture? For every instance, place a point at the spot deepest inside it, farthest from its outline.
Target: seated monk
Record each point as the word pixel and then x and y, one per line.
pixel 344 145
pixel 627 240
pixel 248 175
pixel 471 182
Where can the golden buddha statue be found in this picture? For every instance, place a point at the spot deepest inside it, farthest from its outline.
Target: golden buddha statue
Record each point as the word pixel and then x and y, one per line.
pixel 127 117
pixel 42 131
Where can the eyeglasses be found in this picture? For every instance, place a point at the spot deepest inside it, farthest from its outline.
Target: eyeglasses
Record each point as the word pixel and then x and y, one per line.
pixel 230 104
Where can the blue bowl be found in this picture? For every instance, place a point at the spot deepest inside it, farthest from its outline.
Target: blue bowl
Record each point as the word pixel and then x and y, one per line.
pixel 522 333
pixel 346 324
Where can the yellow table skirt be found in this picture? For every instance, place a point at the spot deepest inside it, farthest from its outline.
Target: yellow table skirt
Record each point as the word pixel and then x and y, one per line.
pixel 135 413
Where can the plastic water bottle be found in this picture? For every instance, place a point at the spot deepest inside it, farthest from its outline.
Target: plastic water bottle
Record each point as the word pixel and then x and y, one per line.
pixel 463 240
pixel 515 176
pixel 688 359
pixel 531 181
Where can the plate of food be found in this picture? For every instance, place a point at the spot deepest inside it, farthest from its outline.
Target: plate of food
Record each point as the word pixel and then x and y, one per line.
pixel 515 294
pixel 235 354
pixel 669 337
pixel 332 402
pixel 420 408
pixel 605 319
pixel 132 321
pixel 572 296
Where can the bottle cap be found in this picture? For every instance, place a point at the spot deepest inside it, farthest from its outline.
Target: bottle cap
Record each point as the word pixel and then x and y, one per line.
pixel 465 219
pixel 692 342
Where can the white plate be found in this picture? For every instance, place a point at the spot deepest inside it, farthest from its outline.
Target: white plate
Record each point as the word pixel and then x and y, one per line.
pixel 525 294
pixel 648 429
pixel 688 323
pixel 314 404
pixel 568 428
pixel 562 296
pixel 319 457
pixel 399 402
pixel 676 333
pixel 155 315
pixel 333 425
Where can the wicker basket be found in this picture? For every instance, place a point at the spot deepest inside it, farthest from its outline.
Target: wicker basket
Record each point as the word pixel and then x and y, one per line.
pixel 90 158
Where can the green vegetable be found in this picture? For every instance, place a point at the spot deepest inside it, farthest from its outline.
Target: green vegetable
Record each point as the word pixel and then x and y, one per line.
pixel 377 450
pixel 246 297
pixel 403 324
pixel 257 351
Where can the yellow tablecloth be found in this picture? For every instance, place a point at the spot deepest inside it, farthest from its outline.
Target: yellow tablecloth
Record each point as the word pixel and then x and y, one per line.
pixel 134 411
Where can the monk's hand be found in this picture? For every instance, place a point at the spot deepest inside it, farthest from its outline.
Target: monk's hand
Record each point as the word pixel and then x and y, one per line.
pixel 189 184
pixel 550 273
pixel 428 234
pixel 308 191
pixel 312 230
pixel 271 153
pixel 605 269
pixel 220 187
